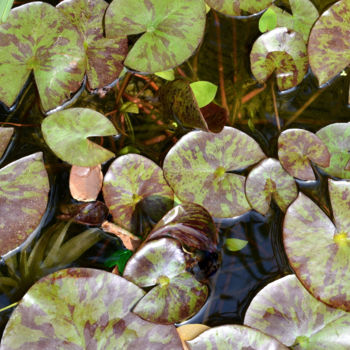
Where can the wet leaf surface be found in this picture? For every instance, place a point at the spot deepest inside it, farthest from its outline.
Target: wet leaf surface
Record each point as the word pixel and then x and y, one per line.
pixel 5 138
pixel 213 158
pixel 24 188
pixel 171 31
pixel 285 310
pixel 67 133
pixel 281 51
pixel 92 213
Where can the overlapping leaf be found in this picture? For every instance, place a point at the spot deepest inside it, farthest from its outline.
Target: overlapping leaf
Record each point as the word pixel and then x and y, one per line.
pixel 281 51
pixel 5 137
pixel 285 310
pixel 103 56
pixel 83 308
pixel 171 30
pixel 134 186
pixel 213 158
pixel 37 36
pixel 329 46
pixel 296 148
pixel 66 133
pixel 24 188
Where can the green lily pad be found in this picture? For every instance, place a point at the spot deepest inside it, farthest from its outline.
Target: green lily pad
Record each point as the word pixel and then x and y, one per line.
pixel 104 56
pixel 281 51
pixel 234 337
pixel 337 139
pixel 66 133
pixel 200 169
pixel 82 308
pixel 24 188
pixel 285 310
pixel 269 180
pixel 329 46
pixel 134 186
pixel 5 137
pixel 171 31
pixel 57 58
pixel 296 148
pixel 176 294
pixel 318 250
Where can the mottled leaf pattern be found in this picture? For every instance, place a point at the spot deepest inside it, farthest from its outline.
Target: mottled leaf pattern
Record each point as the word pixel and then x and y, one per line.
pixel 24 188
pixel 78 309
pixel 329 45
pixel 37 36
pixel 171 30
pixel 135 181
pixel 296 148
pixel 66 133
pixel 212 158
pixel 281 51
pixel 238 7
pixel 5 137
pixel 285 310
pixel 269 180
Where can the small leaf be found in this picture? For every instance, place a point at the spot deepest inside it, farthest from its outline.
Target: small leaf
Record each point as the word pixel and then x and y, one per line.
pixel 129 107
pixel 235 244
pixel 5 8
pixel 167 75
pixel 204 92
pixel 119 258
pixel 5 137
pixel 268 20
pixel 190 331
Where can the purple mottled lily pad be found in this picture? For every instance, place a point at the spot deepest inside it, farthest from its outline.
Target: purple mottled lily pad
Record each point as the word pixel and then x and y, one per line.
pixel 285 310
pixel 267 181
pixel 297 148
pixel 82 308
pixel 171 31
pixel 104 56
pixel 234 337
pixel 329 45
pixel 318 250
pixel 200 169
pixel 5 137
pixel 66 132
pixel 24 188
pixel 281 51
pixel 38 37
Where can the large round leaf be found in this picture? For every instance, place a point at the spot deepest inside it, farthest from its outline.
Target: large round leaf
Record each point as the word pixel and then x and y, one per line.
pixel 132 184
pixel 319 251
pixel 200 169
pixel 37 36
pixel 83 308
pixel 285 310
pixel 66 133
pixel 329 46
pixel 171 30
pixel 24 188
pixel 281 51
pixel 5 137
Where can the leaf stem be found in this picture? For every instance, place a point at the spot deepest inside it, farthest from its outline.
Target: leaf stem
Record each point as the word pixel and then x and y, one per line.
pixel 275 106
pixel 9 306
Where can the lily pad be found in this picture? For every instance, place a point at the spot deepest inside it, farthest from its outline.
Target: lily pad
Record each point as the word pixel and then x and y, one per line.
pixel 171 31
pixel 285 310
pixel 134 186
pixel 281 51
pixel 5 137
pixel 269 180
pixel 318 250
pixel 82 308
pixel 24 188
pixel 104 56
pixel 329 46
pixel 297 148
pixel 57 58
pixel 234 337
pixel 212 158
pixel 66 133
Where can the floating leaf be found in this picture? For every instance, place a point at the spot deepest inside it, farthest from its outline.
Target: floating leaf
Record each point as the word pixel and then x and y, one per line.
pixel 57 58
pixel 167 75
pixel 104 56
pixel 235 244
pixel 66 133
pixel 296 148
pixel 5 137
pixel 171 31
pixel 81 308
pixel 329 46
pixel 204 92
pixel 213 158
pixel 269 180
pixel 281 51
pixel 24 188
pixel 285 310
pixel 268 20
pixel 134 186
